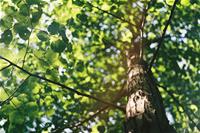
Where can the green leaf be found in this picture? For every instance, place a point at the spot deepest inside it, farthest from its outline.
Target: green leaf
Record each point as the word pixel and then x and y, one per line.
pixel 53 28
pixel 10 10
pixel 170 2
pixel 3 94
pixel 185 2
pixel 6 22
pixel 78 2
pixel 69 47
pixel 58 46
pixel 36 15
pixel 33 2
pixel 24 10
pixel 48 89
pixel 31 107
pixel 16 1
pixel 50 112
pixel 82 17
pixel 80 66
pixel 22 30
pixel 71 22
pixel 63 35
pixel 7 36
pixel 101 129
pixel 42 35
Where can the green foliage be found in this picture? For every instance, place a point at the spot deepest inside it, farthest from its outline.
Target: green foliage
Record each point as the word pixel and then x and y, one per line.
pixel 7 36
pixel 22 31
pixel 83 46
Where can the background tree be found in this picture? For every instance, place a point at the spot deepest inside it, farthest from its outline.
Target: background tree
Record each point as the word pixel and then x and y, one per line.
pixel 63 63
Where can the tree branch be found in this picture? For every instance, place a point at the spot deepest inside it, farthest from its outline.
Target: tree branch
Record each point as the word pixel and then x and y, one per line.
pixel 179 104
pixel 163 34
pixel 76 125
pixel 119 95
pixel 62 85
pixel 115 16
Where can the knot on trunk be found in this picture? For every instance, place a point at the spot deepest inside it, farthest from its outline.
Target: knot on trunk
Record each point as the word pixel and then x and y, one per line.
pixel 138 103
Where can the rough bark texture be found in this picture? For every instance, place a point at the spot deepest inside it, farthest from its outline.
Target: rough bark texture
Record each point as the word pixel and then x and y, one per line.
pixel 144 111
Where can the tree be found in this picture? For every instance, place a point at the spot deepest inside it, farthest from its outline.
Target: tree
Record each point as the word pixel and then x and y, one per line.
pixel 100 66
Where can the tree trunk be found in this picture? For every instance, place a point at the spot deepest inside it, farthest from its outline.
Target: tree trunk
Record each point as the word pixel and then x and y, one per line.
pixel 144 111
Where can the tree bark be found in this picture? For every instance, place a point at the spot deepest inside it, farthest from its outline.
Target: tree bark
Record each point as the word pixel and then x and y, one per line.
pixel 145 112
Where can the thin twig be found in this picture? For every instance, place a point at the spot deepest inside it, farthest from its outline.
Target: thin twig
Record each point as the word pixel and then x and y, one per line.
pixel 76 125
pixel 14 105
pixel 5 67
pixel 91 117
pixel 179 104
pixel 27 47
pixel 145 11
pixel 62 85
pixel 7 93
pixel 26 52
pixel 163 34
pixel 42 60
pixel 12 95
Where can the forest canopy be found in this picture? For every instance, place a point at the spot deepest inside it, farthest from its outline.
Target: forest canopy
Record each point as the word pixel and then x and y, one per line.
pixel 63 62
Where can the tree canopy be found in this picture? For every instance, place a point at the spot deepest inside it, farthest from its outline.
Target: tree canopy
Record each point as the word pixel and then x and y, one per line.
pixel 63 62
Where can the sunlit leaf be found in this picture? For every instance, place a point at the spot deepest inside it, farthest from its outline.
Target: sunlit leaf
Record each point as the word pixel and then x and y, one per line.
pixel 185 2
pixel 170 2
pixel 3 94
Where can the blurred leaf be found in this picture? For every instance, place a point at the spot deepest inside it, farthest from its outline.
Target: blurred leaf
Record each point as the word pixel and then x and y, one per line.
pixel 22 30
pixel 78 2
pixel 101 129
pixel 194 107
pixel 170 2
pixel 80 66
pixel 36 15
pixel 32 2
pixel 69 47
pixel 185 2
pixel 43 35
pixel 16 117
pixel 6 22
pixel 7 36
pixel 24 10
pixel 54 28
pixel 58 46
pixel 82 17
pixel 3 95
